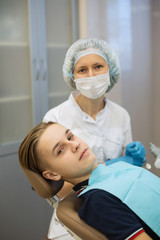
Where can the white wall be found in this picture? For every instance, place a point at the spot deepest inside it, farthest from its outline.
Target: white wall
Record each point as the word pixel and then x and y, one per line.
pixel 133 29
pixel 156 70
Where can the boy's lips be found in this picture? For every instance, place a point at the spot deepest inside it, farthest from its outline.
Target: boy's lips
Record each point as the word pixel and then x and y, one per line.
pixel 83 153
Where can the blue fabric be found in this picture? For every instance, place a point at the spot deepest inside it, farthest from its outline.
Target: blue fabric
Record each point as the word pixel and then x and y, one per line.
pixel 135 153
pixel 138 188
pixel 128 159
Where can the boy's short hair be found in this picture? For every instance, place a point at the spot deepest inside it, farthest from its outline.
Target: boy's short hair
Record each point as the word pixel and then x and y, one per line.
pixel 27 151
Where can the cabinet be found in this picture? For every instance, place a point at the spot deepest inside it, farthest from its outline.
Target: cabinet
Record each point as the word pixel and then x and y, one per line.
pixel 35 35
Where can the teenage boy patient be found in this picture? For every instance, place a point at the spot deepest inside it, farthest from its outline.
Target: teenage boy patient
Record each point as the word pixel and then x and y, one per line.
pixel 127 197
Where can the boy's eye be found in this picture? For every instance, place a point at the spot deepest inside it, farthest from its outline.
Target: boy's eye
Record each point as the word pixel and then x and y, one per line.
pixel 60 151
pixel 70 137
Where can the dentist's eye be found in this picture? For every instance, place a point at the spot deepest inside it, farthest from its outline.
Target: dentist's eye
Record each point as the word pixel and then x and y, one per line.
pixel 99 66
pixel 82 71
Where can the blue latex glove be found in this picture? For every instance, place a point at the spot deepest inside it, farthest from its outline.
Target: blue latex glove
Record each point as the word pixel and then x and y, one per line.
pixel 129 159
pixel 136 150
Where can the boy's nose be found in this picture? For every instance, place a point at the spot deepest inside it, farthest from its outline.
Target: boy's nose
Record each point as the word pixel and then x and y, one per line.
pixel 74 146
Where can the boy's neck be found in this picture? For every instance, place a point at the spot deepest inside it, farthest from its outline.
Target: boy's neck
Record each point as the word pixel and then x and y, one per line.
pixel 82 178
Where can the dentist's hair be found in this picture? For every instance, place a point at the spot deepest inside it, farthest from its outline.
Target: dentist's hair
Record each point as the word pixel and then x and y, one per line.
pixel 85 46
pixel 28 156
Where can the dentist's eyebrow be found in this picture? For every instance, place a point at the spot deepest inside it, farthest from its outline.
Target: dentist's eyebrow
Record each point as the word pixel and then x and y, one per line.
pixel 58 143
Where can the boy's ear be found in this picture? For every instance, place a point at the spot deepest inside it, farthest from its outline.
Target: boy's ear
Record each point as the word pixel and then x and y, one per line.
pixel 51 175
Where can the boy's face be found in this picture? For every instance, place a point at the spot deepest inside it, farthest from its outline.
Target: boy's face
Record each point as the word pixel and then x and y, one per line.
pixel 66 156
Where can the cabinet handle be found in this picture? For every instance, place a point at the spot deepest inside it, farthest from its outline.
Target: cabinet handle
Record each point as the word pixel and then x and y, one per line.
pixel 44 67
pixel 36 68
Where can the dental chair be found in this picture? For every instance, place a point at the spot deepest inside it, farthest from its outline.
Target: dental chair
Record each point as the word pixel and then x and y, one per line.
pixel 67 209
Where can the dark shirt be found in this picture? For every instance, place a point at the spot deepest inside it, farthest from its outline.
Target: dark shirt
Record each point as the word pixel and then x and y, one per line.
pixel 106 213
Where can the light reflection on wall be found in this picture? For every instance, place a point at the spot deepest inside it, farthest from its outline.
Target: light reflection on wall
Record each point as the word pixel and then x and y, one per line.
pixel 112 21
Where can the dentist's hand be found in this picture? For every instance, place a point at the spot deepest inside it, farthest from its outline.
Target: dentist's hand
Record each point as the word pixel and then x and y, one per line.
pixel 136 150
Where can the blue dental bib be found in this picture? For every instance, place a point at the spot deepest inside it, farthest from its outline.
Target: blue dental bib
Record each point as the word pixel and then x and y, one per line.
pixel 136 187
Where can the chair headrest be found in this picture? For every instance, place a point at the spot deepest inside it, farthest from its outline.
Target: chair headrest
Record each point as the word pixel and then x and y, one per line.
pixel 45 188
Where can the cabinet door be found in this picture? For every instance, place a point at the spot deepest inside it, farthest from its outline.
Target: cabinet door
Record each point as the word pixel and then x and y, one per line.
pixel 15 82
pixel 61 31
pixel 38 59
pixel 24 101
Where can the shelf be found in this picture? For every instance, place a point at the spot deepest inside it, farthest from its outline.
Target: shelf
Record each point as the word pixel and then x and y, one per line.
pixel 14 44
pixel 14 99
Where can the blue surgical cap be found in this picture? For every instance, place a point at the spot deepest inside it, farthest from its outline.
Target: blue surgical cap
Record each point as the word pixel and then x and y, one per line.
pixel 83 47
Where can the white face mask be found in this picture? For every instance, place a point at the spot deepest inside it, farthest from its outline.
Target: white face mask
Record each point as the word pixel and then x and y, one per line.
pixel 93 87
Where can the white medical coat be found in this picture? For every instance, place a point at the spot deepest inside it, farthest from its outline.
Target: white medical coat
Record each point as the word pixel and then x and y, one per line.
pixel 107 135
